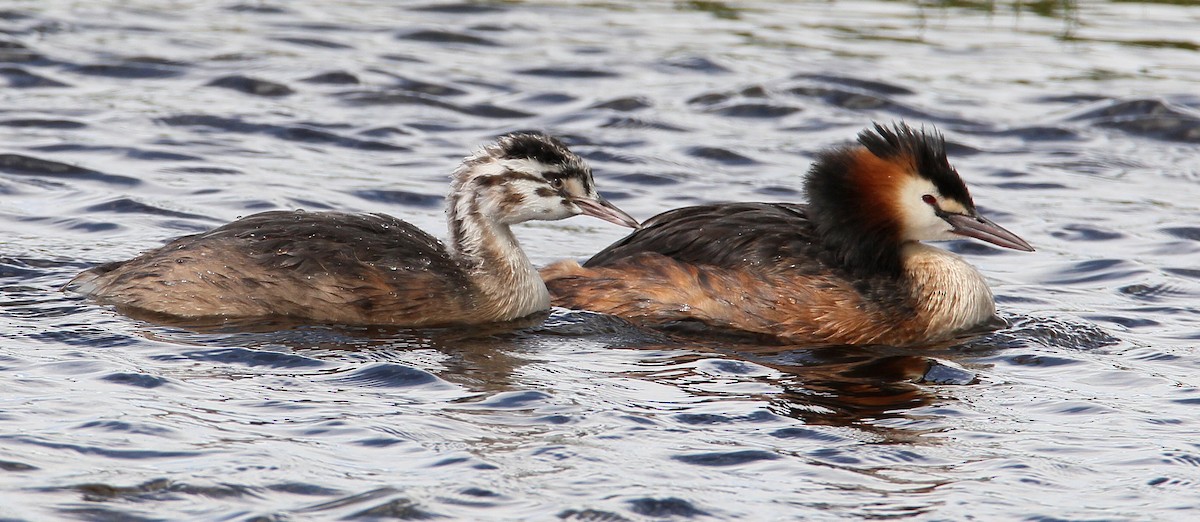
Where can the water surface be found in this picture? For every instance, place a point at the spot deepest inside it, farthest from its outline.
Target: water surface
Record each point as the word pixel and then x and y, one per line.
pixel 125 124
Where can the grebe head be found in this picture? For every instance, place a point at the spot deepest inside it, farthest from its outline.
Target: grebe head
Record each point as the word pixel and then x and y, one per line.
pixel 896 185
pixel 528 176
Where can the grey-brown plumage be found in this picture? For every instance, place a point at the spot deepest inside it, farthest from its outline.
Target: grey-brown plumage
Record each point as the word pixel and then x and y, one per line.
pixel 336 267
pixel 847 268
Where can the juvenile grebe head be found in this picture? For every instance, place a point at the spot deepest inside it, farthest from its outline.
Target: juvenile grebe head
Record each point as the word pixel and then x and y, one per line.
pixel 896 185
pixel 528 176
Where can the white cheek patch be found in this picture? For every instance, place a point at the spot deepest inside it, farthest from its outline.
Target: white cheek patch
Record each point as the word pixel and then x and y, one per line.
pixel 919 221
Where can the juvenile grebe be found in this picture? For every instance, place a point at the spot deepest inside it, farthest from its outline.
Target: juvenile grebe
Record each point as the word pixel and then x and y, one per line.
pixel 847 268
pixel 345 268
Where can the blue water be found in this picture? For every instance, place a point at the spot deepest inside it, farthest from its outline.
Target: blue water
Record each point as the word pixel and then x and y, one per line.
pixel 124 124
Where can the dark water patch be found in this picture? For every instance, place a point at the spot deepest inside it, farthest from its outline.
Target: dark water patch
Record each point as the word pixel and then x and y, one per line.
pixel 447 37
pixel 86 336
pixel 835 455
pixel 624 104
pixel 479 492
pixel 87 225
pixel 246 357
pixel 122 454
pixel 402 197
pixel 129 70
pixel 547 98
pixel 399 509
pixel 1146 118
pixel 17 52
pixel 299 488
pixel 351 500
pixel 706 419
pixel 1049 332
pixel 1189 233
pixel 1031 134
pixel 460 8
pixel 379 442
pixel 590 515
pixel 858 83
pixel 257 8
pixel 1191 273
pixel 568 73
pixel 124 427
pixel 385 132
pixel 1126 322
pixel 129 206
pixel 1176 457
pixel 37 123
pixel 140 380
pixel 646 180
pixel 312 42
pixel 806 434
pixel 129 152
pixel 16 268
pixel 248 85
pixel 333 78
pixel 157 489
pixel 756 110
pixel 1033 359
pixel 722 459
pixel 158 155
pixel 733 367
pixel 406 84
pixel 639 123
pixel 288 133
pixel 1094 270
pixel 696 63
pixel 606 156
pixel 1151 293
pixel 19 78
pixel 720 155
pixel 483 110
pixel 520 400
pixel 1070 99
pixel 387 375
pixel 780 191
pixel 862 101
pixel 665 508
pixel 582 323
pixel 104 514
pixel 9 465
pixel 1078 232
pixel 711 98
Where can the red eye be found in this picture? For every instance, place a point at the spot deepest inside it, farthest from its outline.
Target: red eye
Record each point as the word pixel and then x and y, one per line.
pixel 929 200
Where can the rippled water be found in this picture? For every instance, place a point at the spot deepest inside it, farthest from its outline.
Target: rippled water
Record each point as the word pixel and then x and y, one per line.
pixel 127 123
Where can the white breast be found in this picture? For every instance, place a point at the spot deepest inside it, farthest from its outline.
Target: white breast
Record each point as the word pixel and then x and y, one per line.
pixel 951 291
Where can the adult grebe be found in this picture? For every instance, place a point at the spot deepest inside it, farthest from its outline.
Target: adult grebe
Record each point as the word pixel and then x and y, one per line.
pixel 335 267
pixel 847 268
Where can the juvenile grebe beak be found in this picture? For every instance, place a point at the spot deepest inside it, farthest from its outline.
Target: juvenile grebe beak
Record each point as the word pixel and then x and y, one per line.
pixel 984 229
pixel 601 208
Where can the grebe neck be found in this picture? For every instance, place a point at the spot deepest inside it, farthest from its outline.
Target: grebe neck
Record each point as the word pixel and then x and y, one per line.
pixel 506 282
pixel 950 293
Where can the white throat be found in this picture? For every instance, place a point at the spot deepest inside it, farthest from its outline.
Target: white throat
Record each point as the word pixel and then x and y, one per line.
pixel 950 292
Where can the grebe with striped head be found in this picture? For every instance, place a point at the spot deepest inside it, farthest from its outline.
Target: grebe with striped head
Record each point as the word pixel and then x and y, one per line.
pixel 334 267
pixel 848 268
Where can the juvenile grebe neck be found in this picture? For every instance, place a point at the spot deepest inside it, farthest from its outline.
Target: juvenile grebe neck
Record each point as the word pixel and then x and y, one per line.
pixel 492 191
